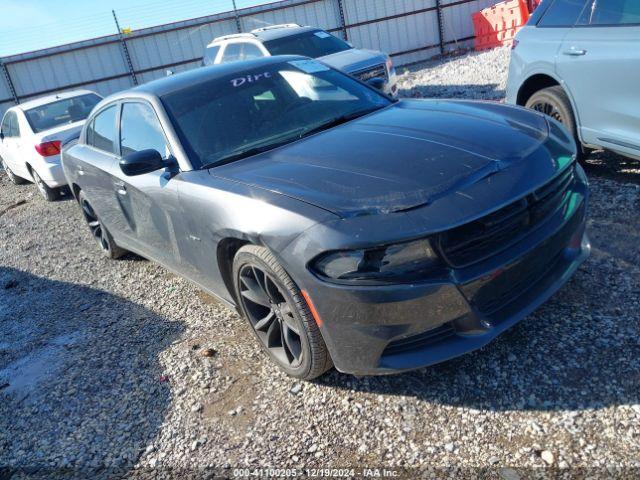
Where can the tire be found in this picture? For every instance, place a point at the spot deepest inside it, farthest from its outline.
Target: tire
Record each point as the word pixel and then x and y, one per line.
pixel 282 301
pixel 100 233
pixel 554 102
pixel 49 194
pixel 12 176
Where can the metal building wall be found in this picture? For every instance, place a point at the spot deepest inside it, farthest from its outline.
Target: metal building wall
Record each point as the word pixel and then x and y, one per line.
pixel 402 27
pixel 456 20
pixel 410 30
pixel 6 98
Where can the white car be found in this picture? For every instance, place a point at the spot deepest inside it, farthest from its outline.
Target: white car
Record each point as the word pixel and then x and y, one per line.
pixel 369 66
pixel 33 132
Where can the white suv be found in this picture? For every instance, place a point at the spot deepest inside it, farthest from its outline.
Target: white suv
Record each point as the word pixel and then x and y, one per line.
pixel 372 67
pixel 31 135
pixel 578 61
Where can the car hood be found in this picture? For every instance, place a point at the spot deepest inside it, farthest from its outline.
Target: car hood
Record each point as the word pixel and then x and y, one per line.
pixel 354 59
pixel 402 157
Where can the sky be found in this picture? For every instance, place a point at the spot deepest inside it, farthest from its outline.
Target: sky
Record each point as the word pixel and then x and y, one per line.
pixel 27 25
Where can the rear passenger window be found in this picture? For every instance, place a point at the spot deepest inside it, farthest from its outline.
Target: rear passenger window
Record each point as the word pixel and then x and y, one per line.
pixel 232 53
pixel 562 13
pixel 611 13
pixel 251 51
pixel 10 127
pixel 101 134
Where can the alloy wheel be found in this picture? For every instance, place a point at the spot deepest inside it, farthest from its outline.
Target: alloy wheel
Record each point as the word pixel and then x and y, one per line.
pixel 548 109
pixel 271 315
pixel 95 226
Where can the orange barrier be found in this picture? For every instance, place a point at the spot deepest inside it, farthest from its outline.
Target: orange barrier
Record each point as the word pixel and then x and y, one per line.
pixel 533 4
pixel 497 25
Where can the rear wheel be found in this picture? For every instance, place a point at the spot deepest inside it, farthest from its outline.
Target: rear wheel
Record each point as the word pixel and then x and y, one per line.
pixel 554 102
pixel 12 176
pixel 49 194
pixel 278 314
pixel 99 232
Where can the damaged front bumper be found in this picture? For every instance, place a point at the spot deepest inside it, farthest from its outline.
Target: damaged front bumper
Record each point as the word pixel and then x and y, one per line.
pixel 393 328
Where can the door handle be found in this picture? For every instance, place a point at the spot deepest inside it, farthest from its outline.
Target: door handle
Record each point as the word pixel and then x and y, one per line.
pixel 574 52
pixel 121 188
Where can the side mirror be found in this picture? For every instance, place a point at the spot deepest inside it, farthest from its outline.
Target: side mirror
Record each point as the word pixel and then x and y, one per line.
pixel 139 163
pixel 377 82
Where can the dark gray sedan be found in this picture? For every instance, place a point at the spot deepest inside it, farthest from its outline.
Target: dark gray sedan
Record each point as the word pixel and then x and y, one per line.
pixel 346 227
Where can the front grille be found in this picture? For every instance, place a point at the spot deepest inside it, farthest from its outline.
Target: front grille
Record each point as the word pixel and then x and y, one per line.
pixel 379 71
pixel 492 293
pixel 483 238
pixel 421 340
pixel 499 299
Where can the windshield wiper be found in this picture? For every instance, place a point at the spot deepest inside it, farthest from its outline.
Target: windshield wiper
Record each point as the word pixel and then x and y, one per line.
pixel 250 152
pixel 338 121
pixel 240 155
pixel 303 132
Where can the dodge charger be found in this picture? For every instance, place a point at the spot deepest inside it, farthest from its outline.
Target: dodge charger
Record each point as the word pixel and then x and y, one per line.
pixel 349 229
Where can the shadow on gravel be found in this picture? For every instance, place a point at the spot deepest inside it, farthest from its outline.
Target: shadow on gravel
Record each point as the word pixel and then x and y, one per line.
pixel 536 366
pixel 486 91
pixel 613 167
pixel 81 384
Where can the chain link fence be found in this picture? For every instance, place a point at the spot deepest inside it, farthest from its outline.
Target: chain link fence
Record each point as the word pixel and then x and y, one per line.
pixel 409 30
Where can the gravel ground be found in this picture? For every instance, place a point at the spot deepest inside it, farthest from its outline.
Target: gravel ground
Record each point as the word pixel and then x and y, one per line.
pixel 115 368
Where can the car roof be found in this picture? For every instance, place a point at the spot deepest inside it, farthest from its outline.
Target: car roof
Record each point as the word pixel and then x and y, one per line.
pixel 275 33
pixel 179 81
pixel 51 99
pixel 266 34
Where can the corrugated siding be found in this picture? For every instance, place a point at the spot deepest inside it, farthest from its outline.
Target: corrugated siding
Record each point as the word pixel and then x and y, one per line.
pixel 407 31
pixel 457 18
pixel 104 88
pixel 323 14
pixel 58 71
pixel 175 46
pixel 5 93
pixel 357 11
pixel 98 64
pixel 162 72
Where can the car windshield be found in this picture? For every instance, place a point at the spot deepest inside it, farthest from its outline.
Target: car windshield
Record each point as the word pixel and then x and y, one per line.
pixel 239 115
pixel 309 44
pixel 61 112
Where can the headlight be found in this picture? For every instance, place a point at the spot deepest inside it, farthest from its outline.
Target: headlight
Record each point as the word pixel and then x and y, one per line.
pixel 403 262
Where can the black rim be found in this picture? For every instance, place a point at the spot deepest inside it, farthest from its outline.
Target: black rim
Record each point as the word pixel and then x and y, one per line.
pixel 548 109
pixel 271 315
pixel 95 226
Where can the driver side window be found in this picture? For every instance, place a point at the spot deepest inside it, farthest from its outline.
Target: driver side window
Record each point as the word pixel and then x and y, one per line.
pixel 140 129
pixel 235 52
pixel 232 53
